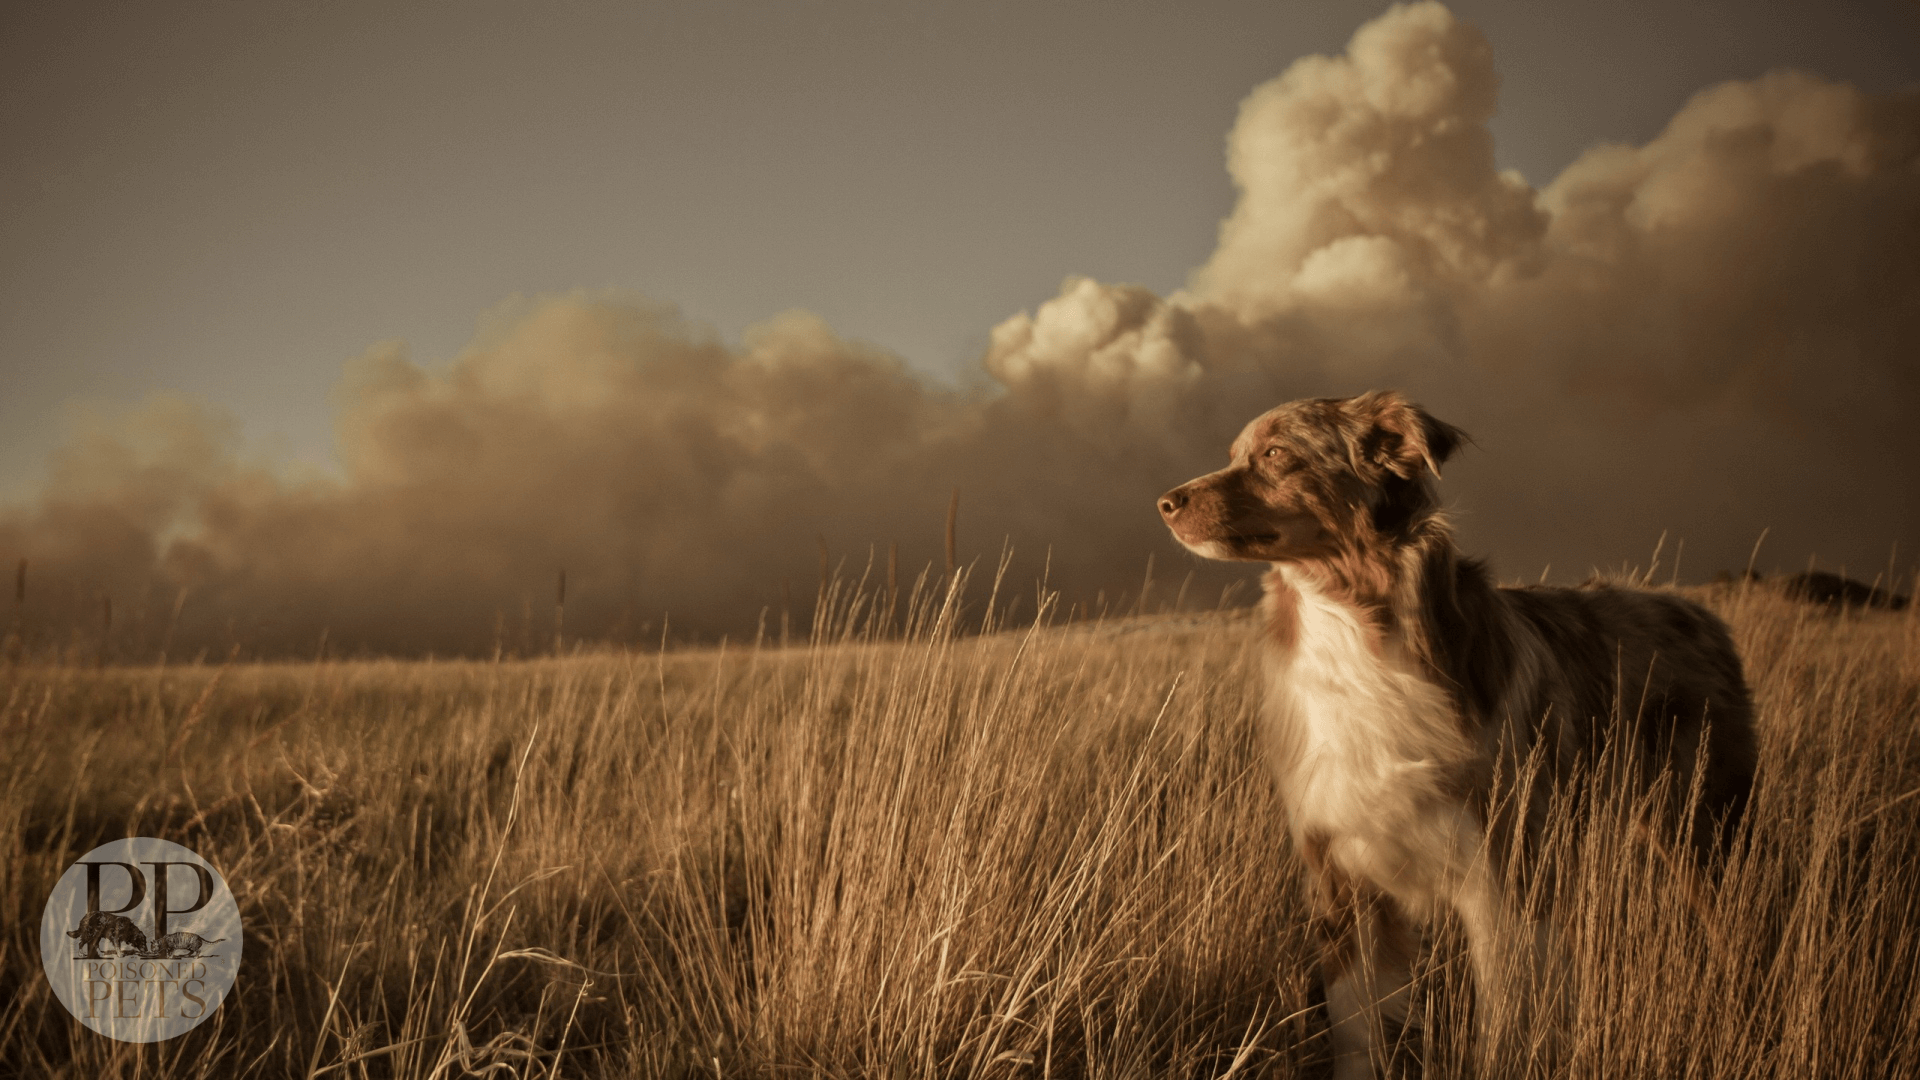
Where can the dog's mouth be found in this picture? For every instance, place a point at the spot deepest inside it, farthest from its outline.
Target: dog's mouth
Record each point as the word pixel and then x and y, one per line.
pixel 1293 539
pixel 1266 545
pixel 1217 517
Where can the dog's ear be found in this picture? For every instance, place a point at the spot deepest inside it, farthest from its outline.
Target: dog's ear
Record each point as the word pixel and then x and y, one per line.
pixel 1389 432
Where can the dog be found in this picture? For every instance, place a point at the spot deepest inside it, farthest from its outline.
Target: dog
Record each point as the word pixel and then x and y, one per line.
pixel 99 926
pixel 1404 693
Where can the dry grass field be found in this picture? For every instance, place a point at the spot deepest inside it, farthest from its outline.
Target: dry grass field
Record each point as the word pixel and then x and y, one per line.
pixel 1039 851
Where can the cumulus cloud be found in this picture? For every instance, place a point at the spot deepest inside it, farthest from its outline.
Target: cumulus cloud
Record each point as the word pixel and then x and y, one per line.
pixel 669 474
pixel 1711 334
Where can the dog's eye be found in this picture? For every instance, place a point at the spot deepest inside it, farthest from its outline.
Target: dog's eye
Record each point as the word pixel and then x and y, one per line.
pixel 1272 451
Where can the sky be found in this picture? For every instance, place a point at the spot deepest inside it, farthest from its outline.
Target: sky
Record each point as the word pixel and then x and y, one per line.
pixel 256 209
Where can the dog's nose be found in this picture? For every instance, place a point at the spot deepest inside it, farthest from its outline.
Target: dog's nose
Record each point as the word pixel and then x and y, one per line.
pixel 1172 503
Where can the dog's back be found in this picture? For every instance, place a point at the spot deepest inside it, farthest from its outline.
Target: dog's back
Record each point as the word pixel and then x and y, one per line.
pixel 1621 679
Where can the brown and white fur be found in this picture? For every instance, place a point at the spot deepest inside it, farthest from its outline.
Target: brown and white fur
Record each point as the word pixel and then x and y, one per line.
pixel 1403 690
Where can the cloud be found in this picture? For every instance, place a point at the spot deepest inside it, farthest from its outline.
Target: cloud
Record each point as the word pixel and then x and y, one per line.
pixel 1712 334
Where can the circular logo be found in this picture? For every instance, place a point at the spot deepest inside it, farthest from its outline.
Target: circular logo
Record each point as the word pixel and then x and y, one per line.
pixel 141 939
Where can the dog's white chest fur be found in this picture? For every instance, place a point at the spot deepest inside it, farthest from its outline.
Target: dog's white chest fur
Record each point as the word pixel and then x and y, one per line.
pixel 1362 742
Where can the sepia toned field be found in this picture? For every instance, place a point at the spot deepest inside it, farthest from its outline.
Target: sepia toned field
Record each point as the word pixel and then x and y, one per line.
pixel 909 847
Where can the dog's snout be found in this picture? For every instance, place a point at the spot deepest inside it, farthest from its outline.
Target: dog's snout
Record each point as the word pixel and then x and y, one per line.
pixel 1173 502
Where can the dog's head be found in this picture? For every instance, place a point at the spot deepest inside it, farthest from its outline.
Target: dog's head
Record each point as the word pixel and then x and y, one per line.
pixel 1313 478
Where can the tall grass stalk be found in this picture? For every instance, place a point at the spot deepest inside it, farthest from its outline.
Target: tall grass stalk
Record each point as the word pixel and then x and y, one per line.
pixel 900 849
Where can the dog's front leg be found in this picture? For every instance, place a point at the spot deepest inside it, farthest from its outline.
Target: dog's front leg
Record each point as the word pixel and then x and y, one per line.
pixel 1519 976
pixel 1367 949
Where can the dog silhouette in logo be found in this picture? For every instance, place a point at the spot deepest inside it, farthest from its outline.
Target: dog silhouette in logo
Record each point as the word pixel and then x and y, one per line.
pixel 99 926
pixel 180 946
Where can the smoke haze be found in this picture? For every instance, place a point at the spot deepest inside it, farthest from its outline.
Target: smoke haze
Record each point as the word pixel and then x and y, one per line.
pixel 1711 334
